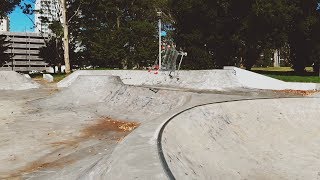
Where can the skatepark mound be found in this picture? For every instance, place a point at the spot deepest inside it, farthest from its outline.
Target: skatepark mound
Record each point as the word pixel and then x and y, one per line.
pixel 252 139
pixel 197 80
pixel 108 96
pixel 229 78
pixel 86 90
pixel 10 80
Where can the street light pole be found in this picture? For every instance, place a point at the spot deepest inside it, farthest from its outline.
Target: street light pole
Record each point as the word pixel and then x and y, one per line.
pixel 318 9
pixel 160 41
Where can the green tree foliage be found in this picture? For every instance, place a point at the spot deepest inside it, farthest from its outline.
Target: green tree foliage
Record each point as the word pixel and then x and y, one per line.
pixel 4 57
pixel 117 34
pixel 7 6
pixel 215 33
pixel 229 32
pixel 304 35
pixel 52 53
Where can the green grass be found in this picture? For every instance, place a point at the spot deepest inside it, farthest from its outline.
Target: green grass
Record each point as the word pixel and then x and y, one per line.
pixel 273 69
pixel 56 77
pixel 287 74
pixel 59 77
pixel 278 69
pixel 311 79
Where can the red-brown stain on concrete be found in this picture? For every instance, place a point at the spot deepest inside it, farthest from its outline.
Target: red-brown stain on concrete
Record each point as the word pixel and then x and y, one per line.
pixel 298 92
pixel 105 126
pixel 105 129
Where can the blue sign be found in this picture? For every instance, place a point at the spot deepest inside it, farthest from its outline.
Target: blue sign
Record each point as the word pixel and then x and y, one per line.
pixel 163 33
pixel 318 8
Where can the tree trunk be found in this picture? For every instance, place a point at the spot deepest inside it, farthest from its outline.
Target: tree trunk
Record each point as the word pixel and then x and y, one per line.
pixel 54 69
pixel 65 36
pixel 118 22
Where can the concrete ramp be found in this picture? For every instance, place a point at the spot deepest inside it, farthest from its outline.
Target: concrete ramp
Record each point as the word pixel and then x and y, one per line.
pixel 86 90
pixel 198 80
pixel 258 139
pixel 253 80
pixel 10 80
pixel 224 79
pixel 108 96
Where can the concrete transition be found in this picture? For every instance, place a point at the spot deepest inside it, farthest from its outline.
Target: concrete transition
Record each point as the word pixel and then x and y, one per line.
pixel 109 96
pixel 200 80
pixel 261 139
pixel 10 80
pixel 257 81
pixel 226 79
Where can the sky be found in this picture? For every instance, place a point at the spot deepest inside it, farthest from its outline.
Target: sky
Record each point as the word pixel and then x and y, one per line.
pixel 19 22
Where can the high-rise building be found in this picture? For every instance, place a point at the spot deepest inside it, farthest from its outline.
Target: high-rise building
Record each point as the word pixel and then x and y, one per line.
pixel 48 11
pixel 4 24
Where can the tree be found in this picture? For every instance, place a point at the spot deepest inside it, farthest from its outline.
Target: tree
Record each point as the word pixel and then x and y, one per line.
pixel 4 57
pixel 117 34
pixel 303 35
pixel 196 31
pixel 59 24
pixel 264 27
pixel 7 6
pixel 230 32
pixel 65 36
pixel 52 53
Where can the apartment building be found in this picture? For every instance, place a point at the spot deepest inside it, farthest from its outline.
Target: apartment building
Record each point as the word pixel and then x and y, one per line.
pixel 24 51
pixel 5 24
pixel 49 10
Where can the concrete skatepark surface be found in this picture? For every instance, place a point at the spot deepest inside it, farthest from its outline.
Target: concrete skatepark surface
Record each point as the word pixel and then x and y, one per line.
pixel 224 79
pixel 124 127
pixel 258 139
pixel 10 80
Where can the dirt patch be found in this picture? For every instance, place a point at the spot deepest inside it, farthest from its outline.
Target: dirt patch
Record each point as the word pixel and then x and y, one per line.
pixel 298 92
pixel 39 165
pixel 65 143
pixel 105 129
pixel 107 126
pixel 45 84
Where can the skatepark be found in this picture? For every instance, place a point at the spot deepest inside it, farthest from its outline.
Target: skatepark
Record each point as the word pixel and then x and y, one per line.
pixel 119 124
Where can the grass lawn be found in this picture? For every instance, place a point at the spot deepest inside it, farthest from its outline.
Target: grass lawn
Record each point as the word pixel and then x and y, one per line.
pixel 313 79
pixel 287 74
pixel 56 77
pixel 59 77
pixel 278 69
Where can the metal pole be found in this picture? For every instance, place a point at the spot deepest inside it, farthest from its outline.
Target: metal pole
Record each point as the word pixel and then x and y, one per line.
pixel 160 43
pixel 11 56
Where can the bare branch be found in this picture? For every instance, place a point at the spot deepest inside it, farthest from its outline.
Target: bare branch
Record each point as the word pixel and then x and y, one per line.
pixel 77 11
